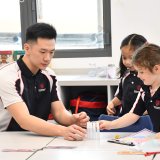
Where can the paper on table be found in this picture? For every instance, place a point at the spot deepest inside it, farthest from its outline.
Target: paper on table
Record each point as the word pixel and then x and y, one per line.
pixel 144 141
pixel 33 150
pixel 152 145
pixel 139 137
pixel 18 150
pixel 60 147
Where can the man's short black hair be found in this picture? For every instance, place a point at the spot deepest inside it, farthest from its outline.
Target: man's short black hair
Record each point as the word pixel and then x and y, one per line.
pixel 40 30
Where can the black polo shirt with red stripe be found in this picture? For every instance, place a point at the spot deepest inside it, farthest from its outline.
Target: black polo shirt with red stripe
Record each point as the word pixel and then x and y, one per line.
pixel 151 104
pixel 20 85
pixel 128 90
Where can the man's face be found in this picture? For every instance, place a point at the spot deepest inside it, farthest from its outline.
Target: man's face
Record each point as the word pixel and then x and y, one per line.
pixel 39 54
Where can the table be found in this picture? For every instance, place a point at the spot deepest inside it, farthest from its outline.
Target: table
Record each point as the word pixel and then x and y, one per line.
pixel 84 150
pixel 21 140
pixel 88 150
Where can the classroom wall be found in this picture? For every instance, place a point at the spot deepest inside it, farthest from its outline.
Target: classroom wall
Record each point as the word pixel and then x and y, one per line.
pixel 127 16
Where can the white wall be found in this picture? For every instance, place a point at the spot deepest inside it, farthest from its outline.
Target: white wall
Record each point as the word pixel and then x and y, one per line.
pixel 127 16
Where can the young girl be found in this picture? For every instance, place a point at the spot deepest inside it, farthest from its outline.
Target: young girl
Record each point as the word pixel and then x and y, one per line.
pixel 146 61
pixel 130 84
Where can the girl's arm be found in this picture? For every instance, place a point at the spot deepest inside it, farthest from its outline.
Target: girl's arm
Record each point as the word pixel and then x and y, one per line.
pixel 111 106
pixel 121 122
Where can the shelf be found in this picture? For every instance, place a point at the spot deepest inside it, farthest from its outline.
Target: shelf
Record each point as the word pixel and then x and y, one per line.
pixel 84 80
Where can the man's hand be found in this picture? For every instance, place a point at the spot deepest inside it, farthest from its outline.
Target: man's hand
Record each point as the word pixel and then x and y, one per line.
pixel 74 133
pixel 103 124
pixel 81 119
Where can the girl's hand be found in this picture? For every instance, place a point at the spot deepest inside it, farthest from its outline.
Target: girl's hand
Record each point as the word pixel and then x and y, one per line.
pixel 103 124
pixel 111 109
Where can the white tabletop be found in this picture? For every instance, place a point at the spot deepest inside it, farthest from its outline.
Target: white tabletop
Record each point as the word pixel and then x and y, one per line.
pixel 21 140
pixel 88 150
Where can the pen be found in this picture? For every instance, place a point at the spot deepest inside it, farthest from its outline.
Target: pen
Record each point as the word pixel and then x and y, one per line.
pixel 154 156
pixel 151 153
pixel 120 142
pixel 139 153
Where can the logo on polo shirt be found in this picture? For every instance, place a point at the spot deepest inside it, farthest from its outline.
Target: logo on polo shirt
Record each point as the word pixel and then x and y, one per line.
pixel 157 104
pixel 42 87
pixel 138 87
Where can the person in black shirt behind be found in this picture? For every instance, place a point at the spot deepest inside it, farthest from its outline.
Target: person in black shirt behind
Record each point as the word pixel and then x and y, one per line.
pixel 130 84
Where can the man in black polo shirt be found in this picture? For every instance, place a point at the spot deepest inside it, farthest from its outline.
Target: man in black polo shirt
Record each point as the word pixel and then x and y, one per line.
pixel 28 91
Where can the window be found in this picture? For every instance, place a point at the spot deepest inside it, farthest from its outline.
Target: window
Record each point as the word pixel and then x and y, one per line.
pixel 83 26
pixel 10 28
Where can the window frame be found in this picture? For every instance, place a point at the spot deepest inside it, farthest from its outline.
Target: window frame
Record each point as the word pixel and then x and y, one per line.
pixel 28 12
pixel 28 15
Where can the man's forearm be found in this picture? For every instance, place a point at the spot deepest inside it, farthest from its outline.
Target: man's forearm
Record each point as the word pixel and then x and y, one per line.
pixel 65 118
pixel 41 126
